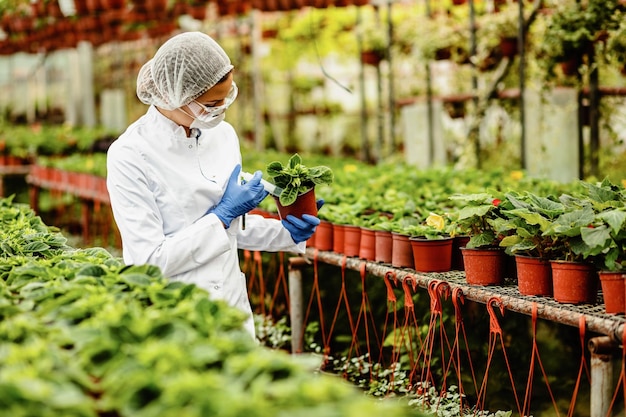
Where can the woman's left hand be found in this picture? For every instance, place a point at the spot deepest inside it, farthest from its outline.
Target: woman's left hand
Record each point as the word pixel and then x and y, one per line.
pixel 301 229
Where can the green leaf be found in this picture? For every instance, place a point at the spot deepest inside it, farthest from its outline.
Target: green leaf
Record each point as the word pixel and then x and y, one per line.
pixel 596 237
pixel 288 196
pixel 136 279
pixel 614 218
pixel 295 160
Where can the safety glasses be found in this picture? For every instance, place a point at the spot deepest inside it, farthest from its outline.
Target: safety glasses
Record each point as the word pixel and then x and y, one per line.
pixel 202 111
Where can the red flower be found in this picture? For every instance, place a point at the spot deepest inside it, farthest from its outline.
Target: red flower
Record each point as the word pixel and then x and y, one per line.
pixel 496 202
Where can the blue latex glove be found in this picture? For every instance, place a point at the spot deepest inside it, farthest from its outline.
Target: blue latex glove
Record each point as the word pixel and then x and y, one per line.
pixel 319 203
pixel 238 199
pixel 301 229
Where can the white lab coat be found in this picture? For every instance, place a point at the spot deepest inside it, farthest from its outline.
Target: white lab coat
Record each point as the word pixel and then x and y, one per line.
pixel 161 184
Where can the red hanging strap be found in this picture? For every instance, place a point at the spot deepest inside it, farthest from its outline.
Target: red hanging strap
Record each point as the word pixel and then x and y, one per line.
pixel 389 276
pixel 458 298
pixel 316 296
pixel 495 331
pixel 390 281
pixel 535 355
pixel 582 327
pixel 281 282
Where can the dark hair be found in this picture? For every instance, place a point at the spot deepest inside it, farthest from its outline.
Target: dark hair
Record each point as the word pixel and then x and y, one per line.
pixel 225 77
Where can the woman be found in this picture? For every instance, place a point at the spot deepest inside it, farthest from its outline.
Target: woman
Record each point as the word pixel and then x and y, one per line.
pixel 173 177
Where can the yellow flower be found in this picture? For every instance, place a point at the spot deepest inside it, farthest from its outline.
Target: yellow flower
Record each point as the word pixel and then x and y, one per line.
pixel 436 221
pixel 517 175
pixel 624 183
pixel 349 168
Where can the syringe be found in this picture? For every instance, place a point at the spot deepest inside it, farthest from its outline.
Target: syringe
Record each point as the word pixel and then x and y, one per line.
pixel 268 186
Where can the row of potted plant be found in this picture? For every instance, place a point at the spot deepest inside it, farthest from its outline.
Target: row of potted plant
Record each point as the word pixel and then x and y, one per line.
pixel 578 226
pixel 384 208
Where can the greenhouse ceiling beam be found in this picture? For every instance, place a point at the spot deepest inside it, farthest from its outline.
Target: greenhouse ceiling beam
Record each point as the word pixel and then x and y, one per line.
pixel 547 308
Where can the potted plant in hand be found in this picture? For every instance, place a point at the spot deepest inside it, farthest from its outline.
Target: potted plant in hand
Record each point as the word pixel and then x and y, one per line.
pixel 479 217
pixel 297 183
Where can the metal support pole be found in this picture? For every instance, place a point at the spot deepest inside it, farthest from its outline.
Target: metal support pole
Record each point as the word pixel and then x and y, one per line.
pixel 521 42
pixel 295 303
pixel 365 149
pixel 429 101
pixel 601 375
pixel 392 101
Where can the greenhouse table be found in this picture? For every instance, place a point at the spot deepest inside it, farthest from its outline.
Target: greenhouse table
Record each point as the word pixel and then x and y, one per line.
pixel 602 348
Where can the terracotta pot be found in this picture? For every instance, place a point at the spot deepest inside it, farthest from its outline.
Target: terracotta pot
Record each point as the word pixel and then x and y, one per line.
pixel 574 282
pixel 338 237
pixel 304 204
pixel 457 256
pixel 613 289
pixel 401 251
pixel 310 243
pixel 534 275
pixel 484 266
pixel 383 246
pixel 371 58
pixel 324 236
pixel 508 47
pixel 367 248
pixel 432 255
pixel 352 240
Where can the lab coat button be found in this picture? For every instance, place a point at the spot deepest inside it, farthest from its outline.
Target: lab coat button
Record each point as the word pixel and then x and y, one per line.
pixel 190 146
pixel 217 287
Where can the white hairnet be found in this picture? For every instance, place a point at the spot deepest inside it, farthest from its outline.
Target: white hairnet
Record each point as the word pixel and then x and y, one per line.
pixel 184 68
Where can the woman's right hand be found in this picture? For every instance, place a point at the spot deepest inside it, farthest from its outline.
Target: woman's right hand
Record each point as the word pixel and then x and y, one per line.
pixel 238 199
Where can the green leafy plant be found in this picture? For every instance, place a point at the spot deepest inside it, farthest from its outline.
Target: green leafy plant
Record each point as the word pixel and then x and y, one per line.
pixel 572 28
pixel 480 218
pixel 434 227
pixel 295 178
pixel 531 216
pixel 605 238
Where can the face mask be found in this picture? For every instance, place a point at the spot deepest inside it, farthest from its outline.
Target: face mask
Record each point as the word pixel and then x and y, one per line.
pixel 207 117
pixel 199 123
